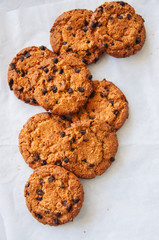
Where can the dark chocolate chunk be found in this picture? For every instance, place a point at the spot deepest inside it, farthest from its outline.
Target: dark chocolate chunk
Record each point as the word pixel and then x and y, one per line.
pixel 58 163
pixel 55 60
pixel 81 89
pixel 84 60
pixel 70 90
pixel 89 76
pixel 56 221
pixel 54 88
pixel 92 118
pixel 21 89
pixel 92 94
pixel 111 101
pixel 28 184
pixel 61 71
pixel 21 58
pixel 94 24
pixel 27 55
pixel 127 47
pixel 88 42
pixel 122 3
pixel 11 82
pixel 62 134
pixel 69 28
pixel 45 69
pixel 27 100
pixel 85 29
pixel 22 73
pixel 88 53
pixel 105 45
pixel 84 160
pixel 91 165
pixel 47 211
pixel 12 66
pixel 110 18
pixel 129 16
pixel 51 179
pixel 103 95
pixel 77 70
pixel 41 180
pixel 85 140
pixel 36 157
pixel 76 200
pixel 112 159
pixel 64 43
pixel 64 202
pixel 66 160
pixel 69 208
pixel 58 214
pixel 100 9
pixel 50 77
pixel 34 101
pixel 68 49
pixel 38 215
pixel 72 149
pixel 112 44
pixel 138 40
pixel 39 198
pixel 43 162
pixel 82 132
pixel 40 192
pixel 42 48
pixel 120 17
pixel 44 91
pixel 72 140
pixel 85 22
pixel 116 112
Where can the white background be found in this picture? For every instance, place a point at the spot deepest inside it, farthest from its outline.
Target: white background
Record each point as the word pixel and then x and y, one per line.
pixel 123 203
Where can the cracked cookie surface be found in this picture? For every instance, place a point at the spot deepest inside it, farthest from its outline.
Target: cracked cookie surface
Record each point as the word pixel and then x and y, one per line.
pixel 87 149
pixel 71 33
pixel 106 103
pixel 117 27
pixel 21 77
pixel 54 196
pixel 38 134
pixel 64 86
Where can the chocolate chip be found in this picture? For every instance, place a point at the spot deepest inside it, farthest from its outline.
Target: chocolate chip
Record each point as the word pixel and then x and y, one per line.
pixel 34 101
pixel 77 70
pixel 122 3
pixel 111 101
pixel 64 43
pixel 116 112
pixel 55 60
pixel 85 29
pixel 88 53
pixel 69 28
pixel 22 73
pixel 129 16
pixel 76 200
pixel 38 215
pixel 27 100
pixel 27 192
pixel 81 89
pixel 70 90
pixel 62 185
pixel 40 192
pixel 39 198
pixel 92 118
pixel 63 117
pixel 88 42
pixel 21 89
pixel 42 47
pixel 91 165
pixel 11 82
pixel 57 102
pixel 96 59
pixel 44 91
pixel 138 40
pixel 100 9
pixel 85 22
pixel 72 149
pixel 51 179
pixel 56 221
pixel 105 45
pixel 94 24
pixel 50 77
pixel 64 202
pixel 66 160
pixel 84 60
pixel 99 24
pixel 92 95
pixel 69 208
pixel 61 71
pixel 72 140
pixel 127 47
pixel 120 17
pixel 36 157
pixel 43 162
pixel 82 132
pixel 84 160
pixel 45 69
pixel 17 71
pixel 47 211
pixel 41 180
pixel 103 95
pixel 28 184
pixel 85 140
pixel 68 49
pixel 12 66
pixel 58 214
pixel 27 55
pixel 21 58
pixel 89 76
pixel 112 44
pixel 54 88
pixel 58 163
pixel 110 18
pixel 112 159
pixel 62 134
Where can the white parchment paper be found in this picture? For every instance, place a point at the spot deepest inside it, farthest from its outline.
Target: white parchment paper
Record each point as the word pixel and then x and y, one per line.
pixel 121 204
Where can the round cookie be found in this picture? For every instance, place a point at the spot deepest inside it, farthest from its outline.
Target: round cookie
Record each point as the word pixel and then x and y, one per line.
pixel 117 27
pixel 21 77
pixel 71 33
pixel 106 103
pixel 65 85
pixel 39 133
pixel 54 196
pixel 87 149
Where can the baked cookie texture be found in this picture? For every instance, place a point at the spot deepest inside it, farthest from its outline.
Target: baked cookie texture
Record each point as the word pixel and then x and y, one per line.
pixel 64 86
pixel 40 133
pixel 54 196
pixel 87 149
pixel 117 27
pixel 21 77
pixel 71 33
pixel 107 103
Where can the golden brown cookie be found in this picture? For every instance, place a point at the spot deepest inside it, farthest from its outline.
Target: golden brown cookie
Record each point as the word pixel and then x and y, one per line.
pixel 87 149
pixel 54 196
pixel 21 77
pixel 106 103
pixel 71 33
pixel 40 133
pixel 65 85
pixel 116 26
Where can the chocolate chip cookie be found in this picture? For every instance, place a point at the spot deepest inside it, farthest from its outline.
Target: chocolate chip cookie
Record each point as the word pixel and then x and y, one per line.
pixel 40 133
pixel 54 196
pixel 21 77
pixel 106 103
pixel 117 27
pixel 64 86
pixel 87 149
pixel 71 33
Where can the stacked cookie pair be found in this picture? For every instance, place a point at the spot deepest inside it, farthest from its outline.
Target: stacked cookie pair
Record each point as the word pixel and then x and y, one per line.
pixel 77 138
